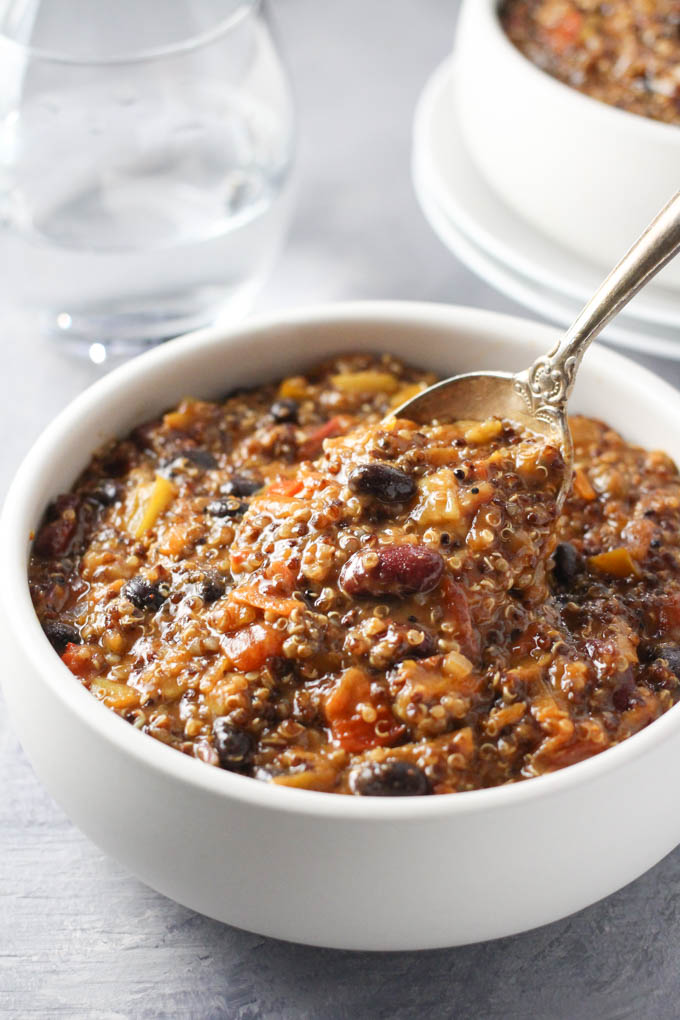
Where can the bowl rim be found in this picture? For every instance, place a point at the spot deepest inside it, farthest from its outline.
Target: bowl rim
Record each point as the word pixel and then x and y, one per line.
pixel 148 753
pixel 489 11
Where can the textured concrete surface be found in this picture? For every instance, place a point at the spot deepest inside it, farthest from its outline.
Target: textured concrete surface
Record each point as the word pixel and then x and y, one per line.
pixel 79 936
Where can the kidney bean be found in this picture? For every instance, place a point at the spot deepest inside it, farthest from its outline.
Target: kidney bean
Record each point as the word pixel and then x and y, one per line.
pixel 55 536
pixel 60 635
pixel 234 746
pixel 63 503
pixel 568 563
pixel 623 698
pixel 392 570
pixel 382 481
pixel 143 594
pixel 390 779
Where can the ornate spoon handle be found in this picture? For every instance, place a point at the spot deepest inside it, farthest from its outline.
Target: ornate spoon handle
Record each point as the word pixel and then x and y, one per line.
pixel 546 385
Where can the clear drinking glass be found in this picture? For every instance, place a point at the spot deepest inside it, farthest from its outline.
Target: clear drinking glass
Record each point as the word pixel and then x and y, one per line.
pixel 145 154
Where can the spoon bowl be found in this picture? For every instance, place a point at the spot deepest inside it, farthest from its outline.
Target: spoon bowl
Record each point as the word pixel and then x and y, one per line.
pixel 475 396
pixel 537 398
pixel 479 395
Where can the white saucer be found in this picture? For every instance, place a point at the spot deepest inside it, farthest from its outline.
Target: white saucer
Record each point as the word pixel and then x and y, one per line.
pixel 654 341
pixel 498 245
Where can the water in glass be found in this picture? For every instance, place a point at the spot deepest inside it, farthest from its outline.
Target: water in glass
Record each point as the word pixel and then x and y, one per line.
pixel 143 197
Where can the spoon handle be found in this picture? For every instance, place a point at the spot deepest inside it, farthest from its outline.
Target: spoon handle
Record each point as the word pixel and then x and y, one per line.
pixel 546 385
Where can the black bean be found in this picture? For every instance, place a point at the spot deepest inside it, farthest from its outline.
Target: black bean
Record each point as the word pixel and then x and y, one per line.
pixel 143 594
pixel 284 410
pixel 60 635
pixel 392 570
pixel 202 458
pixel 234 746
pixel 227 507
pixel 194 455
pixel 211 588
pixel 568 563
pixel 279 666
pixel 106 493
pixel 241 485
pixel 383 482
pixel 396 637
pixel 671 656
pixel 390 779
pixel 144 437
pixel 117 461
pixel 237 391
pixel 664 652
pixel 283 442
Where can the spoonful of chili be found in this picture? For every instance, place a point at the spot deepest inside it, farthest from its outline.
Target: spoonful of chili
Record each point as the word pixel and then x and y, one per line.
pixel 537 397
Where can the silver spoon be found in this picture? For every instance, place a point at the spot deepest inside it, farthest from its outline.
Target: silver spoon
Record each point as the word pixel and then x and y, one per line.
pixel 537 397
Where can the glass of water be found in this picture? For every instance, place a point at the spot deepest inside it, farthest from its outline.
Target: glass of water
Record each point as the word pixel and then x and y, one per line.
pixel 145 155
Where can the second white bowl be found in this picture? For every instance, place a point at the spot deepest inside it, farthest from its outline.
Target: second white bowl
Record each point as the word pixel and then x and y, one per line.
pixel 586 174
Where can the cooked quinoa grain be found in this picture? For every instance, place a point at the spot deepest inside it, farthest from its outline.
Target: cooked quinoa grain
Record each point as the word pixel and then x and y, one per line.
pixel 625 53
pixel 287 586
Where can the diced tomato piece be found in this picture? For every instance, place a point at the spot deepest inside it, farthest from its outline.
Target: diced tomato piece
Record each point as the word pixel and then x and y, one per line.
pixel 566 32
pixel 78 660
pixel 251 647
pixel 355 734
pixel 265 596
pixel 458 612
pixel 271 591
pixel 283 574
pixel 582 486
pixel 283 487
pixel 670 614
pixel 349 727
pixel 311 447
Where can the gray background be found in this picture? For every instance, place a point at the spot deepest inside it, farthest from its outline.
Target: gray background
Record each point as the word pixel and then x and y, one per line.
pixel 78 935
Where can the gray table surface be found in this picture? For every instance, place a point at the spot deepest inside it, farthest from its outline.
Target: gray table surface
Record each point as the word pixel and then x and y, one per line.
pixel 81 937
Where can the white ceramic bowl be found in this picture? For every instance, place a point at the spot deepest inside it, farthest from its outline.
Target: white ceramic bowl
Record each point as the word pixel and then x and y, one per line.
pixel 588 175
pixel 359 873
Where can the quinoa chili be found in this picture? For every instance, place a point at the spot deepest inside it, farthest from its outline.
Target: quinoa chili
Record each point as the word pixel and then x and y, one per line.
pixel 625 52
pixel 286 586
